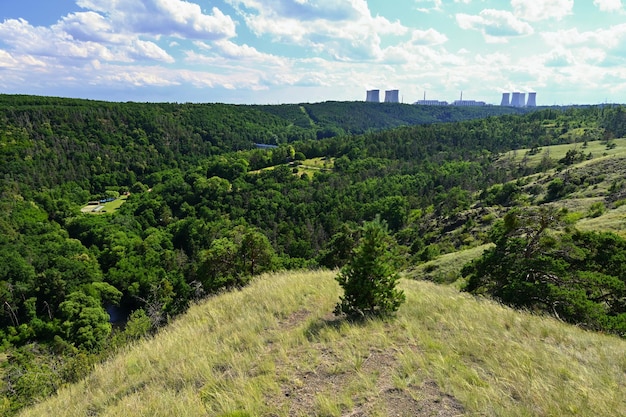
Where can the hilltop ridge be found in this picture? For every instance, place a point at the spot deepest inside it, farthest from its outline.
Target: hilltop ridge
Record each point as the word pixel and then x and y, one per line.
pixel 274 348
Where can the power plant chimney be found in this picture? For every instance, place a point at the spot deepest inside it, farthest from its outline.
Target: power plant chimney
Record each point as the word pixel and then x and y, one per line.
pixel 515 100
pixel 532 100
pixel 505 99
pixel 373 96
pixel 392 96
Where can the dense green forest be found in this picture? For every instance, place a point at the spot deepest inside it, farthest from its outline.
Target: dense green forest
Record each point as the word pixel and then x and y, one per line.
pixel 50 141
pixel 332 118
pixel 205 210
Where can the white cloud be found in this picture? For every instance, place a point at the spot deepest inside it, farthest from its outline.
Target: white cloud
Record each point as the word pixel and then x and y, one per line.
pixel 24 38
pixel 416 57
pixel 225 53
pixel 428 37
pixel 611 38
pixel 334 49
pixel 310 10
pixel 600 48
pixel 56 42
pixel 111 77
pixel 231 50
pixel 570 37
pixel 495 60
pixel 343 29
pixel 495 25
pixel 436 5
pixel 148 50
pixel 6 60
pixel 609 5
pixel 116 31
pixel 86 26
pixel 536 10
pixel 163 17
pixel 558 58
pixel 140 77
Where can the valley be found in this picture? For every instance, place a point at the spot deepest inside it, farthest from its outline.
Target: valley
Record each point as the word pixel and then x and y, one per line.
pixel 210 228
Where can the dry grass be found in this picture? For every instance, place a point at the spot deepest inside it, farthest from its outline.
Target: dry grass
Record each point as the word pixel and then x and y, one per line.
pixel 597 148
pixel 314 165
pixel 319 163
pixel 446 268
pixel 601 173
pixel 275 349
pixel 611 221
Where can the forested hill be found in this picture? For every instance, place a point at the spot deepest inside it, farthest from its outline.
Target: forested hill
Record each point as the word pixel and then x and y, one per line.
pixel 48 141
pixel 334 117
pixel 70 139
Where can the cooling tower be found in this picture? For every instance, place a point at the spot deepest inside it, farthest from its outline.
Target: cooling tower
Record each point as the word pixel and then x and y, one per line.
pixel 392 96
pixel 532 100
pixel 505 99
pixel 373 96
pixel 522 99
pixel 515 100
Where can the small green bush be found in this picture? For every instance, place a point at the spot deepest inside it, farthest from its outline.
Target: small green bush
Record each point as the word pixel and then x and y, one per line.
pixel 597 209
pixel 369 278
pixel 619 203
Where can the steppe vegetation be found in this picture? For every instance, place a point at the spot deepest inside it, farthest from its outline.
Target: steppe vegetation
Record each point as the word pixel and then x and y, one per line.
pixel 275 348
pixel 208 211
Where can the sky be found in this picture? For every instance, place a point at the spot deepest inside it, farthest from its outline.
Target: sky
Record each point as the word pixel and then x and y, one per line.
pixel 306 51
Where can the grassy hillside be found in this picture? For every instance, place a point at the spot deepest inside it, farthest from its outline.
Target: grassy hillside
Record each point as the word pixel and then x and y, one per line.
pixel 598 180
pixel 274 348
pixel 595 149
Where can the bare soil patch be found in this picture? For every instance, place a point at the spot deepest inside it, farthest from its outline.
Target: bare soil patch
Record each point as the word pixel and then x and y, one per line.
pixel 330 378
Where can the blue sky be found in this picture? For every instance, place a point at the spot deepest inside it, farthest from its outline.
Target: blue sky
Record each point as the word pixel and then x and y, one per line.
pixel 293 51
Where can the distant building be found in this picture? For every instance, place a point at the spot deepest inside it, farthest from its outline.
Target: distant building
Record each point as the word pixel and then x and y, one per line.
pixel 431 103
pixel 425 102
pixel 532 100
pixel 468 103
pixel 392 96
pixel 373 96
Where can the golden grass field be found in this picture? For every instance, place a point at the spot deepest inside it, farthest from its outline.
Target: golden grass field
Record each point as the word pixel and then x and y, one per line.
pixel 275 349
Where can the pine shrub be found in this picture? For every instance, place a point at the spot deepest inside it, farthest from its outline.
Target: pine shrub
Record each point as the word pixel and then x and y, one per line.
pixel 369 278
